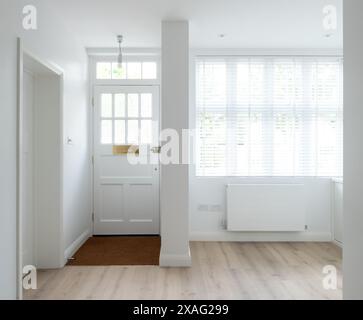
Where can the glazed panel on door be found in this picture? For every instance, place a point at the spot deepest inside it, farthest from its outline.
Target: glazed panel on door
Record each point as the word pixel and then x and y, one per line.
pixel 126 184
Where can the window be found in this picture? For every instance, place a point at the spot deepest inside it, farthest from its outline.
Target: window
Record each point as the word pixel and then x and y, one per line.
pixel 269 116
pixel 138 70
pixel 126 118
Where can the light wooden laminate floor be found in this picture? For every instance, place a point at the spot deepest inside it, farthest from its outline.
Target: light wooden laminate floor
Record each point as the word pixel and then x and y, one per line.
pixel 220 270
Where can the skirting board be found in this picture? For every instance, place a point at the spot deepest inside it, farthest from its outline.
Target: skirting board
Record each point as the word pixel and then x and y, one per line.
pixel 175 260
pixel 261 236
pixel 76 244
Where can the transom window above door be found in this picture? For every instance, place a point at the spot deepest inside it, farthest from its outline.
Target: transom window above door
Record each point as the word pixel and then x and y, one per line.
pixel 126 118
pixel 131 70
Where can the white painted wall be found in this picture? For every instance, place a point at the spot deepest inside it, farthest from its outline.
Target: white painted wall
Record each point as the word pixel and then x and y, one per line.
pixel 54 43
pixel 353 150
pixel 174 114
pixel 27 215
pixel 7 152
pixel 48 224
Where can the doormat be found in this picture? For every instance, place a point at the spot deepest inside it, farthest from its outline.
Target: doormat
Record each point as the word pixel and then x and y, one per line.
pixel 118 251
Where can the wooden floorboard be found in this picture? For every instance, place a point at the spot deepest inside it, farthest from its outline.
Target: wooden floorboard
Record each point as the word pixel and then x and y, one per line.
pixel 220 270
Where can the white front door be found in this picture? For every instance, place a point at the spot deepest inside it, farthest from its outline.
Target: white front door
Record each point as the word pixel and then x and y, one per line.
pixel 126 195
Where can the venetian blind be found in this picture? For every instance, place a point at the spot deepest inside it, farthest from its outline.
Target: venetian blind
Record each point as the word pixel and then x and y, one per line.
pixel 269 116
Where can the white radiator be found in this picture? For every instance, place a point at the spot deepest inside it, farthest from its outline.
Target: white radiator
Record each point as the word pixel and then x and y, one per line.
pixel 266 207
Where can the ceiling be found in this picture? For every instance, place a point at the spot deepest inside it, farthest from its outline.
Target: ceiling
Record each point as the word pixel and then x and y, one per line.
pixel 244 23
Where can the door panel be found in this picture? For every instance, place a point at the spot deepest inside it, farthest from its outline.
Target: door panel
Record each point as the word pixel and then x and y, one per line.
pixel 126 195
pixel 112 199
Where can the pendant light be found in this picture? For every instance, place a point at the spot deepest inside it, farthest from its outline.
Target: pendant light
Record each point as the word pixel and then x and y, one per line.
pixel 119 56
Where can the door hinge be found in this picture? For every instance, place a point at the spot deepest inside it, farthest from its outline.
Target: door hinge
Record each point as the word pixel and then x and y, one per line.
pixel 93 160
pixel 93 217
pixel 93 101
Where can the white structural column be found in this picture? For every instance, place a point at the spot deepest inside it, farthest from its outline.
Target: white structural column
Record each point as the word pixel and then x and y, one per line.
pixel 174 115
pixel 353 150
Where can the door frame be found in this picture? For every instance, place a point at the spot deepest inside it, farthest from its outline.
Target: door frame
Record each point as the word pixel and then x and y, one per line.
pixel 92 132
pixel 110 55
pixel 21 51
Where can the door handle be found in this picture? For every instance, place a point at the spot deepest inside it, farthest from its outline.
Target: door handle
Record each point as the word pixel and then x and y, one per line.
pixel 156 149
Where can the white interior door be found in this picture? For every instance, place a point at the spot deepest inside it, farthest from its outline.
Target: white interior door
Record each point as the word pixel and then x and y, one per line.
pixel 126 195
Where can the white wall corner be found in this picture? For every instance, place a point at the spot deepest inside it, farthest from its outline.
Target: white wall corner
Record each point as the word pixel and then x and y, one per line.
pixel 76 244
